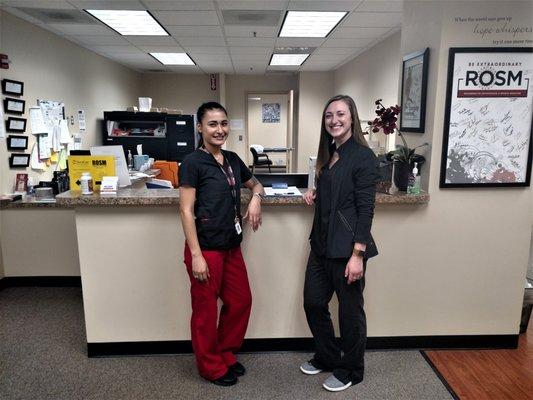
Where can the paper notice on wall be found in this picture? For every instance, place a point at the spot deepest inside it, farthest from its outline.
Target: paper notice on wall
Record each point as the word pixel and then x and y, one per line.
pixel 44 147
pixel 81 120
pixel 35 163
pixel 236 124
pixel 53 112
pixel 37 125
pixel 64 136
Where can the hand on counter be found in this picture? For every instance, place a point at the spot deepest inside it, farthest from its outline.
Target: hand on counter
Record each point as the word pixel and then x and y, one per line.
pixel 309 197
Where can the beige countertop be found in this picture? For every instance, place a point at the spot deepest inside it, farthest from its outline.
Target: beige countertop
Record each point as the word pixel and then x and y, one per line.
pixel 166 197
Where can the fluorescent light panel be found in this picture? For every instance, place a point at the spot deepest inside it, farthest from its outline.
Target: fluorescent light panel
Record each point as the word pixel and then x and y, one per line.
pixel 173 58
pixel 130 23
pixel 310 23
pixel 288 59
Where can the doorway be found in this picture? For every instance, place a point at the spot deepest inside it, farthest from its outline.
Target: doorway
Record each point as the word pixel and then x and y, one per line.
pixel 269 119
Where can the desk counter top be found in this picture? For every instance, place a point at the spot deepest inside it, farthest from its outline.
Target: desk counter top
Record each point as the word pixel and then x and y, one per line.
pixel 170 197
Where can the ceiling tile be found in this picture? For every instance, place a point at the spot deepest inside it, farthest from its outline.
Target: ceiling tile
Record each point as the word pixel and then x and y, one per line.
pixel 350 43
pixel 284 67
pixel 348 32
pixel 381 5
pixel 187 17
pixel 206 50
pixel 201 41
pixel 252 5
pixel 152 40
pixel 299 42
pixel 184 69
pixel 194 31
pixel 177 5
pixel 251 50
pixel 117 49
pixel 212 58
pixel 260 42
pixel 328 58
pixel 248 71
pixel 370 19
pixel 251 57
pixel 98 40
pixel 108 4
pixel 162 49
pixel 321 5
pixel 83 29
pixel 248 31
pixel 215 65
pixel 48 4
pixel 334 51
pixel 214 70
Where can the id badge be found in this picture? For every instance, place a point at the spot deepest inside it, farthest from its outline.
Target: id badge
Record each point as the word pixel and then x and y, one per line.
pixel 238 228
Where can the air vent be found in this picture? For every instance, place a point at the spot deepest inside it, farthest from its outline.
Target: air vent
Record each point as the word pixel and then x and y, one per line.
pixel 58 16
pixel 251 17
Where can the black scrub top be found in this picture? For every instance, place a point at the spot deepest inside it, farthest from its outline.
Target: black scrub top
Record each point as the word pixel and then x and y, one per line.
pixel 214 207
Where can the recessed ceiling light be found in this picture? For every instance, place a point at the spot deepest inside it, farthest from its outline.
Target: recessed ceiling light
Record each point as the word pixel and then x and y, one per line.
pixel 288 59
pixel 173 58
pixel 130 23
pixel 310 23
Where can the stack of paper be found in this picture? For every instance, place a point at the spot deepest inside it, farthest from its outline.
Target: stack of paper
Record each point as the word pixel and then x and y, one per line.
pixel 289 191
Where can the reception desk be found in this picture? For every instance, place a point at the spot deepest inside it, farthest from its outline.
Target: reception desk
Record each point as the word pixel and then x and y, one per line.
pixel 135 287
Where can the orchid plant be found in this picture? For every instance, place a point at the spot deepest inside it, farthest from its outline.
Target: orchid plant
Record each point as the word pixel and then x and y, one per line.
pixel 386 121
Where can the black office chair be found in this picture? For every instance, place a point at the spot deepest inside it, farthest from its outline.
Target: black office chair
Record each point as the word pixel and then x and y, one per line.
pixel 260 160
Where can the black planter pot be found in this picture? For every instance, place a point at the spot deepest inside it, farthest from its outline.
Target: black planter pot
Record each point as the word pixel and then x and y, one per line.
pixel 401 175
pixel 402 170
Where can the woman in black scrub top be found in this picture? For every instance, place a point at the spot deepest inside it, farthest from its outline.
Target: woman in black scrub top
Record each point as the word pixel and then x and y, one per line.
pixel 341 244
pixel 210 204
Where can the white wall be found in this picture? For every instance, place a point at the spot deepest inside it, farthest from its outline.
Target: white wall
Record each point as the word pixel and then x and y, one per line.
pixel 53 68
pixel 181 91
pixel 315 89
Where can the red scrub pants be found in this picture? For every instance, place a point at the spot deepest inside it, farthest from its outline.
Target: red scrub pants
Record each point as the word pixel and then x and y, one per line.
pixel 214 346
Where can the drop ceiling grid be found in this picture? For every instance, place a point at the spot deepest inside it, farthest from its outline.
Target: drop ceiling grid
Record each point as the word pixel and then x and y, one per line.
pixel 197 27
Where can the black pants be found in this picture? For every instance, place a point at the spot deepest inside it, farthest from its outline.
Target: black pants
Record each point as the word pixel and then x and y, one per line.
pixel 323 277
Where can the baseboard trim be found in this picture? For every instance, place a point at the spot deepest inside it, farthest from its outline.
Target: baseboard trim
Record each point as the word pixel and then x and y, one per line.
pixel 40 281
pixel 306 344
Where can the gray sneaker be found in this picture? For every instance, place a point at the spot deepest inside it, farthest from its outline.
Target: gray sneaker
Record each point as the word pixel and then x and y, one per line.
pixel 334 385
pixel 309 369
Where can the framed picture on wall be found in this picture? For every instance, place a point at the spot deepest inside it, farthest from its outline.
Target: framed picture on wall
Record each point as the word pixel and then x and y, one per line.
pixel 14 106
pixel 16 124
pixel 414 91
pixel 488 120
pixel 19 160
pixel 17 142
pixel 11 87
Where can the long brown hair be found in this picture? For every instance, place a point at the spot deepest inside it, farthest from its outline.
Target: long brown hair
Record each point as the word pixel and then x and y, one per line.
pixel 325 138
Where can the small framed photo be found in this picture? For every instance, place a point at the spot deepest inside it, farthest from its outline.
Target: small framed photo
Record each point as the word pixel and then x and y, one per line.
pixel 17 142
pixel 19 160
pixel 14 106
pixel 16 124
pixel 15 88
pixel 414 91
pixel 21 183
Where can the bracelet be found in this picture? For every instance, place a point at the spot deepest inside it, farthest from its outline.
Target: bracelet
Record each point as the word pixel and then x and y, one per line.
pixel 258 195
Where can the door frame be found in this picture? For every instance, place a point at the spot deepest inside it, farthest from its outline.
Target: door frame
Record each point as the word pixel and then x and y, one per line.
pixel 290 124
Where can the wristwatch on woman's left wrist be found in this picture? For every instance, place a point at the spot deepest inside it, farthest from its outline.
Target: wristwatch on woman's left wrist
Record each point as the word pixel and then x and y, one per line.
pixel 259 196
pixel 359 253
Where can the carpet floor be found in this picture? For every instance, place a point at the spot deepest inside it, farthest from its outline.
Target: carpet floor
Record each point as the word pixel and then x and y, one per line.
pixel 43 356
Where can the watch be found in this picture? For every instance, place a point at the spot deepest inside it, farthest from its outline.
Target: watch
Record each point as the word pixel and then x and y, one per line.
pixel 359 253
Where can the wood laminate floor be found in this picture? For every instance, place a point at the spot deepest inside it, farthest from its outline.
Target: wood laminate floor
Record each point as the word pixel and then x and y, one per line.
pixel 489 374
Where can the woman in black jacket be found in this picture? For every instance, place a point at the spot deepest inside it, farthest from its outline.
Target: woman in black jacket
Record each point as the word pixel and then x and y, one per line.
pixel 341 244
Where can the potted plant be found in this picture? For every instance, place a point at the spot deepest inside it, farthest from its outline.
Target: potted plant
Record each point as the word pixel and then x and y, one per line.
pixel 403 157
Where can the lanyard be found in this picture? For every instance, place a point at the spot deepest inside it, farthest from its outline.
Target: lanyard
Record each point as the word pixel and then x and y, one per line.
pixel 230 178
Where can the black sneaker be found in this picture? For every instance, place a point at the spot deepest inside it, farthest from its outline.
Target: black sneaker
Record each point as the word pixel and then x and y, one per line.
pixel 228 379
pixel 238 369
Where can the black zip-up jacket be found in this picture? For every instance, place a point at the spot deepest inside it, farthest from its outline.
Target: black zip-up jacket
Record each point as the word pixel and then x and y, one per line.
pixel 353 194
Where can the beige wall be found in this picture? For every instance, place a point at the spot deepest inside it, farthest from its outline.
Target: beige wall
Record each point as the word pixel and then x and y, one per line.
pixel 315 89
pixel 182 91
pixel 53 68
pixel 374 74
pixel 236 88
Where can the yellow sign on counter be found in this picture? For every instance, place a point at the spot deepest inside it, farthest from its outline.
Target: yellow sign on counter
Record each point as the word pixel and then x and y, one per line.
pixel 98 166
